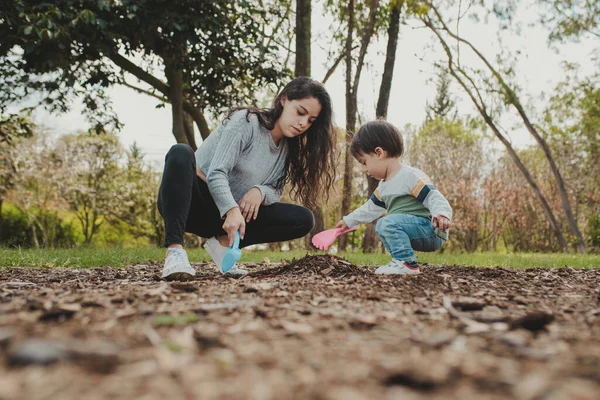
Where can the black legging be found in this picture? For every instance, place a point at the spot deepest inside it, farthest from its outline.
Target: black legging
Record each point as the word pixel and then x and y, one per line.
pixel 186 205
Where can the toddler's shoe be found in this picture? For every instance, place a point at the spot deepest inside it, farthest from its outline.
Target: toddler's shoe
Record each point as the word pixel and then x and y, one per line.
pixel 177 266
pixel 217 252
pixel 399 267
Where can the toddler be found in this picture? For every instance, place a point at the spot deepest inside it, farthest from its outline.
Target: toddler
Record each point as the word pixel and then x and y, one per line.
pixel 418 215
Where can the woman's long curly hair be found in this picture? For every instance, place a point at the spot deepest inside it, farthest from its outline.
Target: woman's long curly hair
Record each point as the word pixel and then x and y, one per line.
pixel 310 165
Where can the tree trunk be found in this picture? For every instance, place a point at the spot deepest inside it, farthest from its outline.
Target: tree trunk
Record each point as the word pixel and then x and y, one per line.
pixel 198 118
pixel 350 125
pixel 188 127
pixel 562 190
pixel 1 202
pixel 390 59
pixel 351 99
pixel 370 240
pixel 303 37
pixel 36 244
pixel 175 79
pixel 303 68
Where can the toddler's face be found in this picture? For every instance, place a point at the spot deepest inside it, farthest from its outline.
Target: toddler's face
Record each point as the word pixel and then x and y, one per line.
pixel 374 164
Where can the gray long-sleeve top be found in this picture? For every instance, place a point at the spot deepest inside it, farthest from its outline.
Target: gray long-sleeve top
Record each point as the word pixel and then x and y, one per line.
pixel 239 155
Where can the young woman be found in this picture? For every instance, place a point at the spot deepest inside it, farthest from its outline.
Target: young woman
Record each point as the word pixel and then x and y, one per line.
pixel 235 179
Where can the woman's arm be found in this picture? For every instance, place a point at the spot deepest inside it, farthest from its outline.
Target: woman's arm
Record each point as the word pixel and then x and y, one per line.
pixel 233 138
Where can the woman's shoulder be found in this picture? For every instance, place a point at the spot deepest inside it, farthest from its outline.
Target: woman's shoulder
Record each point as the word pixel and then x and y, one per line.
pixel 243 120
pixel 241 116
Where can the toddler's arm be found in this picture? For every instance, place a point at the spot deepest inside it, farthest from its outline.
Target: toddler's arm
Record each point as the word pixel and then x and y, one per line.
pixel 368 212
pixel 422 188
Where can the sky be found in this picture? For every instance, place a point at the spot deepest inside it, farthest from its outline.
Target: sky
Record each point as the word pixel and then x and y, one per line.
pixel 539 70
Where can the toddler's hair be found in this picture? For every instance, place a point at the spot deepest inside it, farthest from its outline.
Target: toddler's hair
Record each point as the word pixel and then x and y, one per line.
pixel 375 134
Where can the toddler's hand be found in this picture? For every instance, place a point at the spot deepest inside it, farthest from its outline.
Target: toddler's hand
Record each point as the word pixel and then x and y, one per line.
pixel 441 222
pixel 341 224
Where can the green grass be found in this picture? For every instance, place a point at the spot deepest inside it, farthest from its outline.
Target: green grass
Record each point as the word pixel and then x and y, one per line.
pixel 85 258
pixel 169 320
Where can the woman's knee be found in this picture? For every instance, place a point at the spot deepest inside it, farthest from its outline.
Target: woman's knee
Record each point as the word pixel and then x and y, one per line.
pixel 306 220
pixel 180 153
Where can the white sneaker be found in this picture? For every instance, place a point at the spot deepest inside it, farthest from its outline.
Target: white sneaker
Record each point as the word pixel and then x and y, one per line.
pixel 217 252
pixel 399 267
pixel 177 265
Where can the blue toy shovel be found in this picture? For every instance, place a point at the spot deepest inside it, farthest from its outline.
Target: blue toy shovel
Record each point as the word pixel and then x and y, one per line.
pixel 233 254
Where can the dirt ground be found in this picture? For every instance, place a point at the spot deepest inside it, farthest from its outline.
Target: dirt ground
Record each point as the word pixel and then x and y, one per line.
pixel 315 328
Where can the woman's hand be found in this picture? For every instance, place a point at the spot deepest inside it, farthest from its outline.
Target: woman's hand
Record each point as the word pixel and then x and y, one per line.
pixel 200 174
pixel 441 222
pixel 234 222
pixel 341 224
pixel 250 203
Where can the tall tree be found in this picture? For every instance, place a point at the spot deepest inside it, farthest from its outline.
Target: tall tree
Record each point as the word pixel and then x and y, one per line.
pixel 511 97
pixel 390 58
pixel 444 105
pixel 303 37
pixel 474 92
pixel 572 128
pixel 303 68
pixel 571 19
pixel 370 240
pixel 352 82
pixel 196 56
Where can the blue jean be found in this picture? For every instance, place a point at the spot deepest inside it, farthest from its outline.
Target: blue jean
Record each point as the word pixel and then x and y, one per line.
pixel 401 234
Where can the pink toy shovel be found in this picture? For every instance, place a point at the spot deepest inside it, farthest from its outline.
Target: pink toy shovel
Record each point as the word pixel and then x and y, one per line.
pixel 323 240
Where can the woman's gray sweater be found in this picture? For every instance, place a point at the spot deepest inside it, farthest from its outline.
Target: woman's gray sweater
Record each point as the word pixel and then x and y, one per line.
pixel 239 155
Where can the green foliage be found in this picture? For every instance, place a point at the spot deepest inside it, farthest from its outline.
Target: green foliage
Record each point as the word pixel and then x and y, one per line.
pixel 12 127
pixel 94 188
pixel 78 189
pixel 594 231
pixel 171 320
pixel 15 230
pixel 69 48
pixel 571 19
pixel 453 156
pixel 444 105
pixel 571 124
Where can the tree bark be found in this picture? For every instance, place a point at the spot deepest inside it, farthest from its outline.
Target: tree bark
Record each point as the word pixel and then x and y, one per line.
pixel 198 118
pixel 163 88
pixel 390 60
pixel 188 127
pixel 351 100
pixel 370 240
pixel 478 102
pixel 175 79
pixel 350 125
pixel 303 37
pixel 303 68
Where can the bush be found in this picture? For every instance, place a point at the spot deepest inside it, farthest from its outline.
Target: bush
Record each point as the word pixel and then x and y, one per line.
pixel 15 230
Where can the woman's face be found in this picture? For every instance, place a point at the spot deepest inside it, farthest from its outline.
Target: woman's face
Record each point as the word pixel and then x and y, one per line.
pixel 298 115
